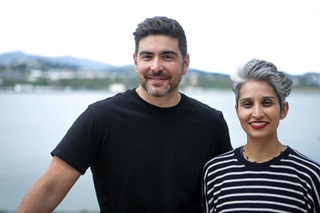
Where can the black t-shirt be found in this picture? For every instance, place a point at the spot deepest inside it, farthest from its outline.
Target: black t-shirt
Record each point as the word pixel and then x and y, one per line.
pixel 145 158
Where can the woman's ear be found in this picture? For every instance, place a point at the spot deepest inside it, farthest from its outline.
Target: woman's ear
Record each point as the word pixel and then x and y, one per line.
pixel 284 110
pixel 236 108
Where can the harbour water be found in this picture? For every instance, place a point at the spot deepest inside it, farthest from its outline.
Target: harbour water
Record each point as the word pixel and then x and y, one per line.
pixel 31 124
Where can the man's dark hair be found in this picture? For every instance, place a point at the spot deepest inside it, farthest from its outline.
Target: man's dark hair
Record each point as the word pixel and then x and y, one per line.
pixel 161 25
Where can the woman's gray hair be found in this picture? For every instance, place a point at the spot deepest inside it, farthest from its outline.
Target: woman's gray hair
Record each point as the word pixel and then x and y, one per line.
pixel 261 70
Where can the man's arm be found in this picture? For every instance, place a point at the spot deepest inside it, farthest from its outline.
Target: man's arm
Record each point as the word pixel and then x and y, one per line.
pixel 46 194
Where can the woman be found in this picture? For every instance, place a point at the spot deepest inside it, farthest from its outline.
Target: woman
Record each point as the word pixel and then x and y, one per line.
pixel 264 175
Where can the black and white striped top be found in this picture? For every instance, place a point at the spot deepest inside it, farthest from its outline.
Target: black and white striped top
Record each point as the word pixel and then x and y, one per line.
pixel 287 183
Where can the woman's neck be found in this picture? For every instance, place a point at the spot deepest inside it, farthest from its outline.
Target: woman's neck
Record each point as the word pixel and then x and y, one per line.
pixel 259 152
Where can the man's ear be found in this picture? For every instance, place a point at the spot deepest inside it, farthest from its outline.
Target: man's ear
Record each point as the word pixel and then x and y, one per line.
pixel 186 63
pixel 134 56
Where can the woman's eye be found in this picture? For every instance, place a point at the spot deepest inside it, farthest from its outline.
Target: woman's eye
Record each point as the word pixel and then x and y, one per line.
pixel 267 103
pixel 247 104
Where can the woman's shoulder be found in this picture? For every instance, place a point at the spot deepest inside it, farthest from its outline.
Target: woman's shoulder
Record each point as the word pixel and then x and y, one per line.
pixel 302 162
pixel 222 159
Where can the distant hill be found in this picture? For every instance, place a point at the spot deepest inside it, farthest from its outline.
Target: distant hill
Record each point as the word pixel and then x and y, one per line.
pixel 19 68
pixel 35 61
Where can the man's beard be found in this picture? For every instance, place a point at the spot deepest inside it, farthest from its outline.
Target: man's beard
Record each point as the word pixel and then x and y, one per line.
pixel 158 91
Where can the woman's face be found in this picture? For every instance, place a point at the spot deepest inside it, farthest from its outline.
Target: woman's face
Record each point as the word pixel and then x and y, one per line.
pixel 259 110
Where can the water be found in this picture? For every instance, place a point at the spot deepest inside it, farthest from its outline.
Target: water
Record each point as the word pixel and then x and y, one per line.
pixel 32 124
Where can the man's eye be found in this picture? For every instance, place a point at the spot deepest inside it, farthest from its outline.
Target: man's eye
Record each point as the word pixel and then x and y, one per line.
pixel 168 57
pixel 145 57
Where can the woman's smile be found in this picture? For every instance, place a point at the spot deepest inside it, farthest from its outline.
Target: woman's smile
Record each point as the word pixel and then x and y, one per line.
pixel 258 124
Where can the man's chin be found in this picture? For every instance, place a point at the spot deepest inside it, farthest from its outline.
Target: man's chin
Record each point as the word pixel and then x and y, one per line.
pixel 157 92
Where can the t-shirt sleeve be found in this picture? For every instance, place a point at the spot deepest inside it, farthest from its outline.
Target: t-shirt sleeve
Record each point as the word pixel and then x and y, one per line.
pixel 224 138
pixel 78 147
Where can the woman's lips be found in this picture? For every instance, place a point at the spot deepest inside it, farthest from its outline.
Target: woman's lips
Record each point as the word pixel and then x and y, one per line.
pixel 258 125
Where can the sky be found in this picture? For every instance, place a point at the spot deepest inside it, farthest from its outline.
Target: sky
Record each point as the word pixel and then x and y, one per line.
pixel 221 34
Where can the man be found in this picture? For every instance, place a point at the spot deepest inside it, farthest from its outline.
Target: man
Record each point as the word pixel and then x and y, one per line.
pixel 146 147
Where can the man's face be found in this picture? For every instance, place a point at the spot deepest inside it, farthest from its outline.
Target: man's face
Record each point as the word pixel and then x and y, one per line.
pixel 159 65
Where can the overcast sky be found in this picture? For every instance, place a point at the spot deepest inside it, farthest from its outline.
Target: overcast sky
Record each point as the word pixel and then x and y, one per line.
pixel 221 34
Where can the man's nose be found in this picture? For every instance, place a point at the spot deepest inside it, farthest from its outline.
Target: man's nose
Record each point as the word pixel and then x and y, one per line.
pixel 156 65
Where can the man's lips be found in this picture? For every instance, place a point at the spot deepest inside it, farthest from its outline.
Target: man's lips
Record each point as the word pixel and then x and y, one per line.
pixel 157 80
pixel 258 125
pixel 158 75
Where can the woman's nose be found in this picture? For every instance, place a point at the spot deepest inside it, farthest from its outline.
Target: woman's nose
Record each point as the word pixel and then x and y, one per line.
pixel 257 112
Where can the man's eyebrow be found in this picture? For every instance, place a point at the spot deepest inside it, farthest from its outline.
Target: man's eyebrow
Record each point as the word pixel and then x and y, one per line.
pixel 166 52
pixel 143 52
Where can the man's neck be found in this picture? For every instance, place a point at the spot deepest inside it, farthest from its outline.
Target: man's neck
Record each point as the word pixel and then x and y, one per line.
pixel 169 100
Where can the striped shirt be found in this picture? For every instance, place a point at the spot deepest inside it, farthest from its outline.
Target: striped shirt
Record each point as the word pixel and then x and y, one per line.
pixel 287 183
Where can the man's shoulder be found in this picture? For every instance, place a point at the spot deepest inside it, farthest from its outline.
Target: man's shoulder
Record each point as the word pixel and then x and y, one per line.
pixel 200 106
pixel 114 99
